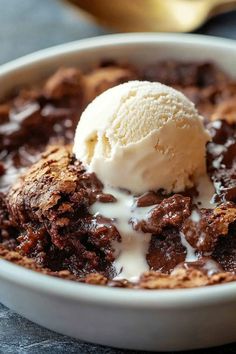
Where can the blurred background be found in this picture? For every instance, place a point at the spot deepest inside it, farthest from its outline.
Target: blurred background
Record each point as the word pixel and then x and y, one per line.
pixel 29 25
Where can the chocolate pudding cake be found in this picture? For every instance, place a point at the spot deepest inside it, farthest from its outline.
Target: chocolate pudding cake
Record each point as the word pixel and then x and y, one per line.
pixel 89 216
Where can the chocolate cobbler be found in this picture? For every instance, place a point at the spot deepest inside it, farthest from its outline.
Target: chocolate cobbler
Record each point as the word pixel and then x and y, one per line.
pixel 49 201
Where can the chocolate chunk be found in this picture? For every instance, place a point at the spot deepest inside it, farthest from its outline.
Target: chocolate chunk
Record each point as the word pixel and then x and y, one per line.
pixel 4 113
pixel 2 169
pixel 149 198
pixel 225 251
pixel 213 224
pixel 166 251
pixel 106 77
pixel 221 159
pixel 51 203
pixel 65 82
pixel 105 198
pixel 172 73
pixel 171 211
pixel 7 230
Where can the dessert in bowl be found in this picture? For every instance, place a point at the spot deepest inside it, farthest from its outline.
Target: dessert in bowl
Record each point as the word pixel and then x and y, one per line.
pixel 142 195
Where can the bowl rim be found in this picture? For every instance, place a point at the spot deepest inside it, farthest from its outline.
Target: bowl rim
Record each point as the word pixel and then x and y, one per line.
pixel 103 295
pixel 119 297
pixel 116 40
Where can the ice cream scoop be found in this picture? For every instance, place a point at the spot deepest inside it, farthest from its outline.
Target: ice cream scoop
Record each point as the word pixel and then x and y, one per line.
pixel 142 136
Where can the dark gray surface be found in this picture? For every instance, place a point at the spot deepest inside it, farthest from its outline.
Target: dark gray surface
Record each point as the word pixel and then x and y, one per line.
pixel 20 336
pixel 26 26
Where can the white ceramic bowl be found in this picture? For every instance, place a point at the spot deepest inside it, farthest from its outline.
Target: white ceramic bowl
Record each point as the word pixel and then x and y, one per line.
pixel 134 319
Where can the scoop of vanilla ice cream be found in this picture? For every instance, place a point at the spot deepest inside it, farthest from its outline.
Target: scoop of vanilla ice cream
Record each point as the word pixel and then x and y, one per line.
pixel 142 136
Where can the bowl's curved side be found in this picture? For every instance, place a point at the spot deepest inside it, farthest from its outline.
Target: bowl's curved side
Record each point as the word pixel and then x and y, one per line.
pixel 158 320
pixel 134 320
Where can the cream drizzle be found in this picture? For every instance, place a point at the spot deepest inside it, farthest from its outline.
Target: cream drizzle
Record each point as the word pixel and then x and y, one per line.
pixel 190 251
pixel 131 251
pixel 206 190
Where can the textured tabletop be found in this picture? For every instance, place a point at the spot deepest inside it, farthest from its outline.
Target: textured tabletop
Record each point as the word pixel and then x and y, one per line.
pixel 26 26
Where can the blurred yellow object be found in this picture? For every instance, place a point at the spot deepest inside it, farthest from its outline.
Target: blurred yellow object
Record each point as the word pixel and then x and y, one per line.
pixel 153 15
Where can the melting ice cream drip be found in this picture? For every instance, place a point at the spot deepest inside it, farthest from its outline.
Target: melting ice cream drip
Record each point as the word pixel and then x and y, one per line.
pixel 206 193
pixel 131 252
pixel 205 199
pixel 191 255
pixel 190 251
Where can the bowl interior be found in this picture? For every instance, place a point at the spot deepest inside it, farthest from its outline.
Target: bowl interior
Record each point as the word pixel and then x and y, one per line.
pixel 140 49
